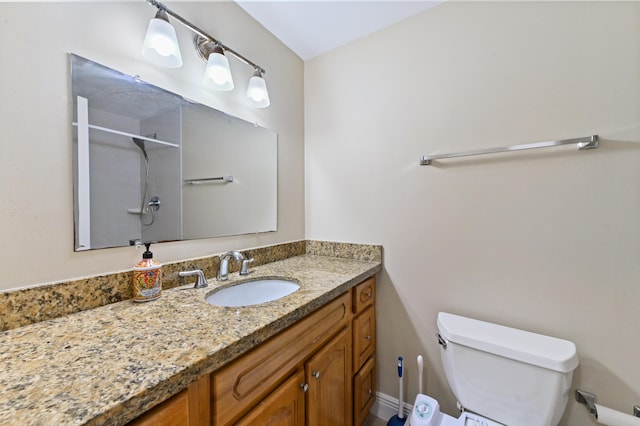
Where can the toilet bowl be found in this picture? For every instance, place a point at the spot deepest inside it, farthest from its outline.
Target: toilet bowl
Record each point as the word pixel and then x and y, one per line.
pixel 499 375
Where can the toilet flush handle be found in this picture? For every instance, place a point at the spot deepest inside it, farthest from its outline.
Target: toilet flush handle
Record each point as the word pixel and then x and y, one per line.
pixel 442 341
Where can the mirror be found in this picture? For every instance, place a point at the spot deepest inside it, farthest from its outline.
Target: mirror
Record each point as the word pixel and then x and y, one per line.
pixel 152 166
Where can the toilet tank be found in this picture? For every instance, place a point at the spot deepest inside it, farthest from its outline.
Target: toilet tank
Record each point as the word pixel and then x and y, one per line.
pixel 511 376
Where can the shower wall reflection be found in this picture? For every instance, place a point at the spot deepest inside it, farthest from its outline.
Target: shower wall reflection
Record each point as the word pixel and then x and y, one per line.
pixel 119 187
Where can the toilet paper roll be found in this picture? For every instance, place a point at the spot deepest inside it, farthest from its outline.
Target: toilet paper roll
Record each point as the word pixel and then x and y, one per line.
pixel 609 417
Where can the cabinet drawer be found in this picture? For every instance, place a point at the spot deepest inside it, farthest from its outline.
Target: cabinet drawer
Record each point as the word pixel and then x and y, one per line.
pixel 364 337
pixel 364 295
pixel 247 380
pixel 364 384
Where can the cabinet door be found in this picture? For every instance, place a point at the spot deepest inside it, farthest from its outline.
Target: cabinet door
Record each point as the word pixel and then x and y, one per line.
pixel 328 374
pixel 188 408
pixel 249 379
pixel 283 407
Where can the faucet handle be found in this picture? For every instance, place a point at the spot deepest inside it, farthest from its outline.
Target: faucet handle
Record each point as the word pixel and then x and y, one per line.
pixel 244 270
pixel 202 280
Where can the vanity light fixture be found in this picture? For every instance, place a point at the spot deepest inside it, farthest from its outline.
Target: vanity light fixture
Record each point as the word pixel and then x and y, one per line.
pixel 160 43
pixel 257 94
pixel 217 74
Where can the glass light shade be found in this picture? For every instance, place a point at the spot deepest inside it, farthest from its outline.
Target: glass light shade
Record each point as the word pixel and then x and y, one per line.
pixel 161 44
pixel 257 94
pixel 217 75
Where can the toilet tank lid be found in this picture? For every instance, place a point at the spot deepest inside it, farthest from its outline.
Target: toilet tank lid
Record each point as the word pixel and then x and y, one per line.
pixel 531 348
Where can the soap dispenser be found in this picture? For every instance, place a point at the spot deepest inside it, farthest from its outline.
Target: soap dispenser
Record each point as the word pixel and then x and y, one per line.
pixel 147 278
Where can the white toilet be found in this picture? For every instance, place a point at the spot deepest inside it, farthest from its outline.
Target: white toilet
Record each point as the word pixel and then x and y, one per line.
pixel 499 375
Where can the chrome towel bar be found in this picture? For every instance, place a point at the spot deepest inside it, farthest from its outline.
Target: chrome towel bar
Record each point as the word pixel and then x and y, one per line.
pixel 211 179
pixel 587 142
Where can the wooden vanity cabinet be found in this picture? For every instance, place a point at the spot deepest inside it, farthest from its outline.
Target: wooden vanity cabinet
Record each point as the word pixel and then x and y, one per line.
pixel 261 383
pixel 190 407
pixel 319 395
pixel 364 349
pixel 320 371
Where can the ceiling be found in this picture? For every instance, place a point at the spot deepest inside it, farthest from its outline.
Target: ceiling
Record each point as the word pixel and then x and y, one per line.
pixel 313 27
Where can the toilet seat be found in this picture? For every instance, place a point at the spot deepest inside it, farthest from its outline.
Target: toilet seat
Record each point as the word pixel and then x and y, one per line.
pixel 467 419
pixel 426 412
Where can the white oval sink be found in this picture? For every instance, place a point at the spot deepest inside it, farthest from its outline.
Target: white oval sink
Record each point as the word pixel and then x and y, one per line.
pixel 252 292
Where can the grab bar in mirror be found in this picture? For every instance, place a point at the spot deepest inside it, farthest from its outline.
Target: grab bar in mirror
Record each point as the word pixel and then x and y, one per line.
pixel 587 142
pixel 212 179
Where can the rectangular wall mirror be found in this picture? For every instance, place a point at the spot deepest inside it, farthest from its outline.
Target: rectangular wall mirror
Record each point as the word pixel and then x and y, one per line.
pixel 151 166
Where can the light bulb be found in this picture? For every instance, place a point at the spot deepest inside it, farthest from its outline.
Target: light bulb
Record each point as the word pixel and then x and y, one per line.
pixel 256 94
pixel 218 74
pixel 162 45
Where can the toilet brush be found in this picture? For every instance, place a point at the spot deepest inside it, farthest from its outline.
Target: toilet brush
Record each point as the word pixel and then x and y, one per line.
pixel 420 366
pixel 399 419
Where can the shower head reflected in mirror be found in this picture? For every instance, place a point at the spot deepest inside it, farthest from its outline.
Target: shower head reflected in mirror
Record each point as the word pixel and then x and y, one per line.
pixel 140 144
pixel 153 202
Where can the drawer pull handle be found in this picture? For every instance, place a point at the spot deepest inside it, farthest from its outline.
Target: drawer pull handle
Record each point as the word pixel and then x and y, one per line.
pixel 304 387
pixel 316 374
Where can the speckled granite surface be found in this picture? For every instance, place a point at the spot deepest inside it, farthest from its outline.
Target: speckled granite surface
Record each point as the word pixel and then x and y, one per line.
pixel 30 305
pixel 108 365
pixel 345 250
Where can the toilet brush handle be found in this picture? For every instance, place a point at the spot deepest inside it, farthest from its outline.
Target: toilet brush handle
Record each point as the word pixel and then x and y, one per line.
pixel 400 396
pixel 400 402
pixel 420 366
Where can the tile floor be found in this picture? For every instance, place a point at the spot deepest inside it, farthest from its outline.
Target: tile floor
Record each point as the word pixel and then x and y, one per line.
pixel 375 421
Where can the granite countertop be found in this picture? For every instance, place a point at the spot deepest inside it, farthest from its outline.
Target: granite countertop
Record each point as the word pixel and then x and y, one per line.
pixel 112 363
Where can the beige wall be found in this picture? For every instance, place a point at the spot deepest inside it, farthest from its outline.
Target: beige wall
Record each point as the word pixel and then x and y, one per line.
pixel 36 205
pixel 547 241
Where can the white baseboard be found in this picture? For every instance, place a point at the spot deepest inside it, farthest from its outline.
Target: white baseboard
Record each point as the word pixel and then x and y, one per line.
pixel 386 406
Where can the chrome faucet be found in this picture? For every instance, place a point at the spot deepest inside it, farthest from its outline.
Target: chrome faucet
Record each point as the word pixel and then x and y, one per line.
pixel 223 272
pixel 201 282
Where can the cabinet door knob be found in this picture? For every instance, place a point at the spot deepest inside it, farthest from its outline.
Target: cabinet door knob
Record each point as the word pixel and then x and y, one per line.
pixel 316 374
pixel 367 337
pixel 304 387
pixel 370 391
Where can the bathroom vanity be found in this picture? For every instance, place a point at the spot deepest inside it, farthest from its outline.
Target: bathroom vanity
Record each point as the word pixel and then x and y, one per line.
pixel 304 372
pixel 309 355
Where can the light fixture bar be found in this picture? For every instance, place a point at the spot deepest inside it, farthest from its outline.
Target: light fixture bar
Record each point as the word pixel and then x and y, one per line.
pixel 203 34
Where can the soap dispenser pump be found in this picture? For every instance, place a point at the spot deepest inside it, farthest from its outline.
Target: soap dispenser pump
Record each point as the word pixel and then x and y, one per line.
pixel 147 278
